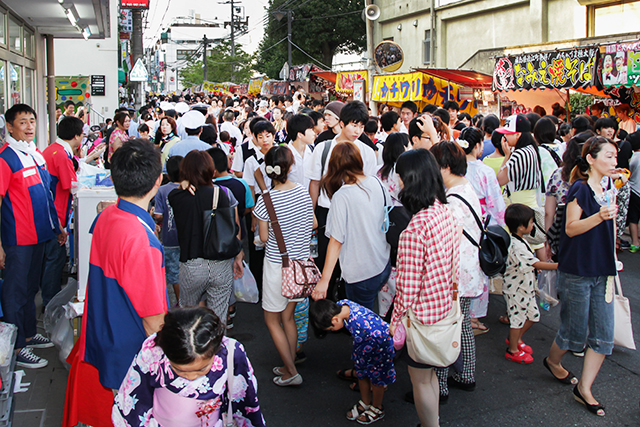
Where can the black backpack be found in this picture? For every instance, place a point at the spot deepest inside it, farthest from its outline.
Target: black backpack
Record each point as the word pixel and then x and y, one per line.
pixel 493 249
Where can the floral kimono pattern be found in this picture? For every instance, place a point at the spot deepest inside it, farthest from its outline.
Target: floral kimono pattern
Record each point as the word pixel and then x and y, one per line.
pixel 151 370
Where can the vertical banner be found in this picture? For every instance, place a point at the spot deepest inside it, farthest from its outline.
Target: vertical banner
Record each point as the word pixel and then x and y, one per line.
pixel 358 90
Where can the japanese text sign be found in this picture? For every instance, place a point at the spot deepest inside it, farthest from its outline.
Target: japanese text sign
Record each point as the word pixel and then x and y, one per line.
pixel 620 64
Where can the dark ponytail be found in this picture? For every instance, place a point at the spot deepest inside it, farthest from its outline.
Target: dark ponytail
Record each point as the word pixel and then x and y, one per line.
pixel 592 147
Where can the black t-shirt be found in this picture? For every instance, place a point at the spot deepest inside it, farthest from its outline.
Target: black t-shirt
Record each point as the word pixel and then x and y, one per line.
pixel 624 154
pixel 240 193
pixel 188 213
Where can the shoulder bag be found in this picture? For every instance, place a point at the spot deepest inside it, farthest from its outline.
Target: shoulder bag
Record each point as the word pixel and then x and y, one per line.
pixel 220 231
pixel 299 277
pixel 493 246
pixel 623 330
pixel 437 345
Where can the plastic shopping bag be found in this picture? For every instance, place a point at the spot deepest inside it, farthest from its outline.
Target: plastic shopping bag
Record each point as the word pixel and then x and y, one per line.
pixel 547 280
pixel 245 288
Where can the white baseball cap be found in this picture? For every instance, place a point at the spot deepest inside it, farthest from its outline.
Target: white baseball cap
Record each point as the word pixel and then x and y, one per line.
pixel 193 119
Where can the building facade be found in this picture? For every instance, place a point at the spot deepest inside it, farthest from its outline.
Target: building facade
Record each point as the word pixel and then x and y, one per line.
pixel 470 33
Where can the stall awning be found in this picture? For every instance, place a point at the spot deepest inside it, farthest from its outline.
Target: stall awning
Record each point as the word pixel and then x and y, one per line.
pixel 468 78
pixel 327 75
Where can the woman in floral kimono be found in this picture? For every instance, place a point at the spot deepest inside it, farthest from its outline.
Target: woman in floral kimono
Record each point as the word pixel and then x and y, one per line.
pixel 179 377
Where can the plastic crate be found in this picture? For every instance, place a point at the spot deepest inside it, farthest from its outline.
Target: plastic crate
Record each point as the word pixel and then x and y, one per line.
pixel 7 418
pixel 6 369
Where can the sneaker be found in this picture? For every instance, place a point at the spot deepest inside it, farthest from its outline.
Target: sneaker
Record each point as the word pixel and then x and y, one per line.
pixel 229 323
pixel 625 244
pixel 26 359
pixel 519 357
pixel 634 248
pixel 578 353
pixel 39 341
pixel 300 357
pixel 522 347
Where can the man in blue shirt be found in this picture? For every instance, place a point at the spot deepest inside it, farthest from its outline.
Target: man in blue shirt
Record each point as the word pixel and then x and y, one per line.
pixel 193 122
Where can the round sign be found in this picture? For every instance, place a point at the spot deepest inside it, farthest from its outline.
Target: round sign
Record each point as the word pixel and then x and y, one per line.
pixel 388 56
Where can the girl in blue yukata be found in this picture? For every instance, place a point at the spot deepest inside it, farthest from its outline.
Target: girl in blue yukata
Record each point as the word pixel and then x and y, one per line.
pixel 372 352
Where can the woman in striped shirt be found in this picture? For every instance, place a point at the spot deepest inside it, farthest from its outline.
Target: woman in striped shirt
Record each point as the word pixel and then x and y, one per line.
pixel 294 212
pixel 426 262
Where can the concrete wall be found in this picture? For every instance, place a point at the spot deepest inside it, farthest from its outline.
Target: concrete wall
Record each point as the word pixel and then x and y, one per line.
pixel 79 57
pixel 467 26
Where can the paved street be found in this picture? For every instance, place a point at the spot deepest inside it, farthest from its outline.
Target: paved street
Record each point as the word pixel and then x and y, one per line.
pixel 506 395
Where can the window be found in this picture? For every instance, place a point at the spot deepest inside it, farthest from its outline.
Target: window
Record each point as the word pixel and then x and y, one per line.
pixel 3 86
pixel 15 72
pixel 15 36
pixel 426 45
pixel 28 43
pixel 613 18
pixel 28 87
pixel 3 20
pixel 184 54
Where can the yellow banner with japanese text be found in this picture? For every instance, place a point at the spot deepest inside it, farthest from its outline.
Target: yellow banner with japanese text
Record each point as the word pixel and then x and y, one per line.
pixel 421 88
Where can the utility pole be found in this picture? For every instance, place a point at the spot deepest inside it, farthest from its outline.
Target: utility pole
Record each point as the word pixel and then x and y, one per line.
pixel 289 61
pixel 233 43
pixel 136 52
pixel 204 56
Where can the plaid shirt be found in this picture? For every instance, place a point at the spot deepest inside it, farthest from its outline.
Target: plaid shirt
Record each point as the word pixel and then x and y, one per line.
pixel 424 281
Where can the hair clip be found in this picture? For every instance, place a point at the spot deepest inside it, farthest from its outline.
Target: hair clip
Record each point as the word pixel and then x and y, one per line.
pixel 273 169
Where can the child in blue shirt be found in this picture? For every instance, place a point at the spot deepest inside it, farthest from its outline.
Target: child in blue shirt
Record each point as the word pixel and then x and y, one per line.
pixel 372 352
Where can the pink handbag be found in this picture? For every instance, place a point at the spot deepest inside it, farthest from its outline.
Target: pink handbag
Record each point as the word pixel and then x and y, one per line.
pixel 299 277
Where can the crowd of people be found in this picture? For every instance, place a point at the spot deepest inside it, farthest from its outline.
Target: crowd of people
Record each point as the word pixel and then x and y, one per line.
pixel 192 176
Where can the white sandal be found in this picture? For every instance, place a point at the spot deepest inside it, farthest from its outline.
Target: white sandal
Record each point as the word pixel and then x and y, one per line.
pixel 371 415
pixel 357 410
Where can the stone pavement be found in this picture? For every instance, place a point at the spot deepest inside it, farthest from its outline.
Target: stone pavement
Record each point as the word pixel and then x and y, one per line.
pixel 507 394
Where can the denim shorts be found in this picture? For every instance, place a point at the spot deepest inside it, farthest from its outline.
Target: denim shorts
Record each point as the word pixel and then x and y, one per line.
pixel 585 317
pixel 172 264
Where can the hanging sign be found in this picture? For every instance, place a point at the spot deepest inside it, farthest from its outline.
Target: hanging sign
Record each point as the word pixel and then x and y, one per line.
pixel 345 80
pixel 620 64
pixel 397 87
pixel 560 69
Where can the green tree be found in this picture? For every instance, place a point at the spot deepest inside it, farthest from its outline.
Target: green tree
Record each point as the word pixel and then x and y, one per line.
pixel 579 103
pixel 321 28
pixel 219 66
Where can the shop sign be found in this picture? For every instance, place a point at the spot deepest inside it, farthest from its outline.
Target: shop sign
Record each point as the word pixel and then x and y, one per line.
pixel 345 79
pixel 220 88
pixel 255 85
pixel 397 87
pixel 560 69
pixel 620 64
pixel 274 87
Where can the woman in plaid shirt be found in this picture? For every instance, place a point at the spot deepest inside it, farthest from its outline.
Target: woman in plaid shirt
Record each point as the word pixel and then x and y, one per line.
pixel 426 260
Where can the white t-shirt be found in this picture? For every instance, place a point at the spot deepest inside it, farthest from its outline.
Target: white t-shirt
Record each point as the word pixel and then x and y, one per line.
pixel 355 219
pixel 315 172
pixel 250 166
pixel 233 131
pixel 238 160
pixel 301 164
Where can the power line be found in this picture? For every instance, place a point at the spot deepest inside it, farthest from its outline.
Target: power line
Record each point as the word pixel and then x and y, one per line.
pixel 301 50
pixel 329 16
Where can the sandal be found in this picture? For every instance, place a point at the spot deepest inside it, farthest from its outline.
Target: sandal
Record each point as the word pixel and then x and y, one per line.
pixel 504 320
pixel 479 328
pixel 569 379
pixel 594 409
pixel 357 410
pixel 371 415
pixel 342 374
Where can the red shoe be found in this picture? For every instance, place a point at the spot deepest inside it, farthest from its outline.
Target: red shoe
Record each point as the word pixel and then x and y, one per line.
pixel 522 347
pixel 520 357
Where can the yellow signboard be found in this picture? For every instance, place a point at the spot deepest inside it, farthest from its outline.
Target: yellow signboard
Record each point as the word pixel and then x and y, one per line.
pixel 255 85
pixel 420 88
pixel 345 79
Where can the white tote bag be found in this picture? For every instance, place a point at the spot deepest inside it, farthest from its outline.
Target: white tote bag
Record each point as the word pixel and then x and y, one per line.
pixel 623 332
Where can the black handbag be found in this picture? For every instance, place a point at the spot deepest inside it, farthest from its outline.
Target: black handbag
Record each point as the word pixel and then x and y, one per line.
pixel 220 231
pixel 493 248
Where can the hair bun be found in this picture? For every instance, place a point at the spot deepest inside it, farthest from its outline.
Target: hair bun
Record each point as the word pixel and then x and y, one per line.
pixel 582 164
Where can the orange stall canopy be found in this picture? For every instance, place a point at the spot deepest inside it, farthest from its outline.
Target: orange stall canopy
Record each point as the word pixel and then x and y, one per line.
pixel 468 78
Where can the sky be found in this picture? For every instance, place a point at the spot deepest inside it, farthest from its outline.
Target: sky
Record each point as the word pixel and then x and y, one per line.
pixel 163 12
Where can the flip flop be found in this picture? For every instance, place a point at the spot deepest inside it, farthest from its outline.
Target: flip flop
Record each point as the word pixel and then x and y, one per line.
pixel 479 328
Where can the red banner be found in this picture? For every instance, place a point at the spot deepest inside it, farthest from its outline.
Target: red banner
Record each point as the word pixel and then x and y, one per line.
pixel 134 4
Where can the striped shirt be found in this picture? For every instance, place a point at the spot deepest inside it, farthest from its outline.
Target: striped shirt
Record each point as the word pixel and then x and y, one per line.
pixel 295 215
pixel 524 169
